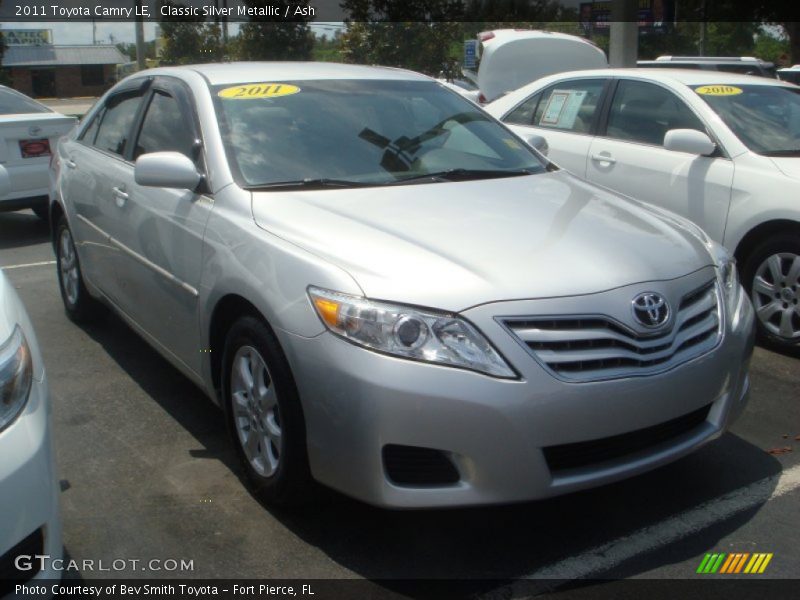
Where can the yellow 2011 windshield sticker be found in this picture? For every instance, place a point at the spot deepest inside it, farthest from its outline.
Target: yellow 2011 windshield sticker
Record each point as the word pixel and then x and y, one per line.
pixel 718 90
pixel 250 91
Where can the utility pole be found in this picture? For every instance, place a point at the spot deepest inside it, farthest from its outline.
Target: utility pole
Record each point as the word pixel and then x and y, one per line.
pixel 623 40
pixel 141 65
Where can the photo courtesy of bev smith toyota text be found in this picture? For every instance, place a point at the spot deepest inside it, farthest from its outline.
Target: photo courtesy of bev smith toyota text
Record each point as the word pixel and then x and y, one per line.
pixel 399 299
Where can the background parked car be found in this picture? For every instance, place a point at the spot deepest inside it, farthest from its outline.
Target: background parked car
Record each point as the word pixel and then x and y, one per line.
pixel 387 290
pixel 790 74
pixel 744 65
pixel 511 58
pixel 28 135
pixel 720 149
pixel 29 515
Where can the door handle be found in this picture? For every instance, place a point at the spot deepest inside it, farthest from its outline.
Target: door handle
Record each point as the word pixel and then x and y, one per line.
pixel 606 158
pixel 70 163
pixel 120 195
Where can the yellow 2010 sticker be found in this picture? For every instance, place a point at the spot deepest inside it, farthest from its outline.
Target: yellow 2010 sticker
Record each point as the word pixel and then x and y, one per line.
pixel 718 90
pixel 250 91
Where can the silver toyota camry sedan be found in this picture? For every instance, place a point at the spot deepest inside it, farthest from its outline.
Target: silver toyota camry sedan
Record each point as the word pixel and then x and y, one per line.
pixel 389 292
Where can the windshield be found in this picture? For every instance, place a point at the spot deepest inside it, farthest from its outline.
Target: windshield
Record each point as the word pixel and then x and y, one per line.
pixel 362 132
pixel 765 118
pixel 14 103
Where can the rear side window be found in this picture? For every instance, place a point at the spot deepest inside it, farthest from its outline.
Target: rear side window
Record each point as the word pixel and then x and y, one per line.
pixel 90 133
pixel 14 103
pixel 569 105
pixel 164 128
pixel 643 112
pixel 523 114
pixel 115 128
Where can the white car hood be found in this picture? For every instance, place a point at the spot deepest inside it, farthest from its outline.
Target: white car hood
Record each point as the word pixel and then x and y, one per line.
pixel 12 313
pixel 455 245
pixel 789 165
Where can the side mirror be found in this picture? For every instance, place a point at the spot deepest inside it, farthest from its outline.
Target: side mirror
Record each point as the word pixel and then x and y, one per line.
pixel 538 142
pixel 690 141
pixel 5 182
pixel 166 169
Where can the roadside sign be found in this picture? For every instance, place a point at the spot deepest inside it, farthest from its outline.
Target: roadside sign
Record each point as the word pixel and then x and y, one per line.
pixel 470 53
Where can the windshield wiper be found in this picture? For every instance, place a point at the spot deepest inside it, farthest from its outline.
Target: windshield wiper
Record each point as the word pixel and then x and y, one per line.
pixel 794 152
pixel 313 184
pixel 462 175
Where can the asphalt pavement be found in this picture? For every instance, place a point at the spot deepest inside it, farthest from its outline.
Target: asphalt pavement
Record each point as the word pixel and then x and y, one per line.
pixel 148 473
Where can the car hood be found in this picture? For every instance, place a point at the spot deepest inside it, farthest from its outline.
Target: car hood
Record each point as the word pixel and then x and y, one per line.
pixel 455 245
pixel 789 165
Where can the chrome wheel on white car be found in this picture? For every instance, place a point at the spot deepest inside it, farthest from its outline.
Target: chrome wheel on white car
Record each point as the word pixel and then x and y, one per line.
pixel 775 294
pixel 256 414
pixel 772 276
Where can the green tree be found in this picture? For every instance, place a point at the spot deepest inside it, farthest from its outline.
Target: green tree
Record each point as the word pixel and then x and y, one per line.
pixel 5 79
pixel 272 38
pixel 189 40
pixel 414 34
pixel 769 46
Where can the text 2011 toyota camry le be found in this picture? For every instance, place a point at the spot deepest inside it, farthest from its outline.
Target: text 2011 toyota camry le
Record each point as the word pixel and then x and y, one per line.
pixel 391 293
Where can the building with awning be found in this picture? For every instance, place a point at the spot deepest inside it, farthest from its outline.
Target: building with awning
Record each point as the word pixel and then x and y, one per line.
pixel 52 71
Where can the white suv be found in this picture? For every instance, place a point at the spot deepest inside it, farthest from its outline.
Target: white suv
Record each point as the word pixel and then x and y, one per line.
pixel 718 148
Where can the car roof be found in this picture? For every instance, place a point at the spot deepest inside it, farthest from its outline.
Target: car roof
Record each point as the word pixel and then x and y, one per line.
pixel 242 72
pixel 685 76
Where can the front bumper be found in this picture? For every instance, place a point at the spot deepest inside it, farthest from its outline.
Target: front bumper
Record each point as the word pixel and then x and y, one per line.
pixel 29 489
pixel 494 431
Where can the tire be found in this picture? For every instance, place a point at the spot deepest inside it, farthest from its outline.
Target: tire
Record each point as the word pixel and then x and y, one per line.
pixel 42 212
pixel 771 276
pixel 78 304
pixel 267 427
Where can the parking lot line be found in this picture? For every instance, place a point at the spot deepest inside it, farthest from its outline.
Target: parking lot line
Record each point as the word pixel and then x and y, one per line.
pixel 602 558
pixel 34 264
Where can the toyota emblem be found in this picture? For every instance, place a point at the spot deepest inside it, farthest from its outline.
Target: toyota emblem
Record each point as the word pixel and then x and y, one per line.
pixel 650 309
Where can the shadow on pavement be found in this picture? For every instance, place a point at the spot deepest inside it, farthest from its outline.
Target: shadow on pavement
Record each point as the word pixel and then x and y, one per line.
pixel 18 229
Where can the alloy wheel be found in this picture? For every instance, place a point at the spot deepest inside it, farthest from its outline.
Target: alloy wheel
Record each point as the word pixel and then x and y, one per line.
pixel 68 267
pixel 256 414
pixel 776 294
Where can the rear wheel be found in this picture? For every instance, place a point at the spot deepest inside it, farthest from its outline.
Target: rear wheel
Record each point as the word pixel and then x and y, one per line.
pixel 78 304
pixel 263 413
pixel 772 277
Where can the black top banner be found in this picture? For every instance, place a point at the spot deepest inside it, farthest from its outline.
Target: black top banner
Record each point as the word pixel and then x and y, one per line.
pixel 398 10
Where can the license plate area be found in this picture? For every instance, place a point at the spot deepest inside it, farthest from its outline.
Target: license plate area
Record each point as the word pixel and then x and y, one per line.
pixel 34 148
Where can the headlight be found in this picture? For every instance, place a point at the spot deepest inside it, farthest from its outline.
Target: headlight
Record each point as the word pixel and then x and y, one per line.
pixel 16 376
pixel 407 332
pixel 726 269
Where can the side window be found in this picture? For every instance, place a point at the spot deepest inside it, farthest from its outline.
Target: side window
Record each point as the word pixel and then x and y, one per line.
pixel 523 114
pixel 90 132
pixel 164 128
pixel 116 124
pixel 644 112
pixel 569 105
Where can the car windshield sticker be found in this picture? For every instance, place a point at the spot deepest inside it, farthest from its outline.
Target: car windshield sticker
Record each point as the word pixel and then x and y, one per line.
pixel 258 90
pixel 511 143
pixel 718 90
pixel 562 108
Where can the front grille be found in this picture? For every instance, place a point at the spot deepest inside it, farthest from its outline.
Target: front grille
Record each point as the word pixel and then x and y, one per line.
pixel 30 546
pixel 593 348
pixel 593 452
pixel 413 466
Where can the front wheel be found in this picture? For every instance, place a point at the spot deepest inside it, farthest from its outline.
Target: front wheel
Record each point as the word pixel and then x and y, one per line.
pixel 78 304
pixel 263 413
pixel 771 275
